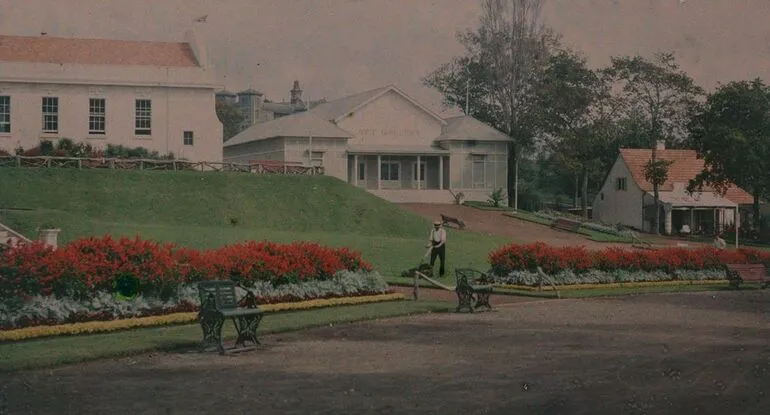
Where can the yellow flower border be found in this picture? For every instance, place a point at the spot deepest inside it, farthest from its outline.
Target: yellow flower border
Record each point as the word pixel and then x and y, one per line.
pixel 615 285
pixel 91 327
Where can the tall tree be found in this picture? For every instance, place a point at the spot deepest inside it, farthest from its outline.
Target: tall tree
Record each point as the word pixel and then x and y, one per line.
pixel 665 96
pixel 577 108
pixel 230 118
pixel 511 46
pixel 732 135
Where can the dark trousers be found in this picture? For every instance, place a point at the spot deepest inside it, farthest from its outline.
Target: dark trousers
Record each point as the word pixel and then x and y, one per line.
pixel 439 252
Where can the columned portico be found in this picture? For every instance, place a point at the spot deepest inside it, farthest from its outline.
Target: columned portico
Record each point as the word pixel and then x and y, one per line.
pixel 416 169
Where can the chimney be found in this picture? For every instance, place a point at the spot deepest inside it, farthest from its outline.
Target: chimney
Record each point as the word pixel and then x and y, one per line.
pixel 660 145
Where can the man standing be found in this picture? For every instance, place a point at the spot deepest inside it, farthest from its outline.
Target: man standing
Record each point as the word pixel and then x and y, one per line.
pixel 438 246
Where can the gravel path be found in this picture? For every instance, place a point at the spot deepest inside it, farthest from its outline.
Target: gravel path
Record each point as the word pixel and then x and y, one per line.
pixel 704 353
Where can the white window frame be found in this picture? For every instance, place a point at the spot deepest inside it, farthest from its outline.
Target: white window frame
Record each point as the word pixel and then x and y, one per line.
pixel 388 166
pixel 97 116
pixel 50 112
pixel 621 184
pixel 188 138
pixel 317 158
pixel 482 160
pixel 5 114
pixel 143 117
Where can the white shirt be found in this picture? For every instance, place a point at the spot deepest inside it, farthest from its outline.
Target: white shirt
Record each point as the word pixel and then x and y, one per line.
pixel 438 235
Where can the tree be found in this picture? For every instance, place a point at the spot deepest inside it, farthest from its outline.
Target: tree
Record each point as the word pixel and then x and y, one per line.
pixel 230 118
pixel 511 46
pixel 665 97
pixel 732 135
pixel 578 110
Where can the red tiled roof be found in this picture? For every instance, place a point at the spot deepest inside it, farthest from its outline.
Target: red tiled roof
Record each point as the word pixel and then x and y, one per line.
pixel 44 49
pixel 685 167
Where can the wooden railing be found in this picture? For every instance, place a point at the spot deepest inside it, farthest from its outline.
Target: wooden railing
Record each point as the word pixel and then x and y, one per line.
pixel 262 167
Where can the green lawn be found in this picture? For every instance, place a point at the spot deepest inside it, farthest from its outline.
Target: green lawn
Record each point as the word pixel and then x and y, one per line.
pixel 72 349
pixel 195 209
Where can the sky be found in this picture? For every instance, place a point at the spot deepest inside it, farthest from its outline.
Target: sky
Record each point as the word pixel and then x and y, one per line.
pixel 341 47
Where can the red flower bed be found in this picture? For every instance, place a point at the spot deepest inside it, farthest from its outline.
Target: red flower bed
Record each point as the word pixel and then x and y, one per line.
pixel 554 259
pixel 88 265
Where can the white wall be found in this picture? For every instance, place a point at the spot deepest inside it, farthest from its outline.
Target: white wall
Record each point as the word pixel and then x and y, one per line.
pixel 174 110
pixel 461 167
pixel 269 149
pixel 391 120
pixel 619 206
pixel 334 159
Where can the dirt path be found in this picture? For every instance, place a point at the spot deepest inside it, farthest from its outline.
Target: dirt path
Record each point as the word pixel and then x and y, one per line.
pixel 701 353
pixel 521 231
pixel 450 296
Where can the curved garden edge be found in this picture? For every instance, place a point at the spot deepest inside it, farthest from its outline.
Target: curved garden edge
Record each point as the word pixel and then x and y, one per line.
pixel 92 327
pixel 640 284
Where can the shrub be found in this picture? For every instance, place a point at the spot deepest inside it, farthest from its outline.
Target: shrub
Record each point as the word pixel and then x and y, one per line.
pixel 496 197
pixel 513 258
pixel 84 267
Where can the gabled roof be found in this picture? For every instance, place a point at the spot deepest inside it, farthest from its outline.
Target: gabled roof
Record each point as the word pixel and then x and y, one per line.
pixel 340 108
pixel 302 124
pixel 463 127
pixel 45 49
pixel 686 165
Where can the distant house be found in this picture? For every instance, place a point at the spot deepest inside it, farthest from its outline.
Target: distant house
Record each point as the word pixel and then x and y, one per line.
pixel 156 95
pixel 256 109
pixel 384 141
pixel 627 198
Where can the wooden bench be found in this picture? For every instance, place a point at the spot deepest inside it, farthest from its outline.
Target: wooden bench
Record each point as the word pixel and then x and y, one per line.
pixel 739 273
pixel 218 303
pixel 470 283
pixel 448 219
pixel 566 224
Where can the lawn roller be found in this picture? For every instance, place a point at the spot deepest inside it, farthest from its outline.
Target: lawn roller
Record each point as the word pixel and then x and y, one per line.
pixel 419 274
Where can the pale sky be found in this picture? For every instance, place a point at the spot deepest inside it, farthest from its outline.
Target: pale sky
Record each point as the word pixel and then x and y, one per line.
pixel 340 47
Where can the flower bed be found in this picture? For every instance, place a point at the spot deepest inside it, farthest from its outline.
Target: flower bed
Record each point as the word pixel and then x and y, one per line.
pixel 76 282
pixel 176 318
pixel 517 264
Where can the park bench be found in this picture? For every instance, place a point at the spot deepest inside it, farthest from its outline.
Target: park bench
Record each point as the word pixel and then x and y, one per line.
pixel 448 219
pixel 738 273
pixel 566 224
pixel 470 283
pixel 218 303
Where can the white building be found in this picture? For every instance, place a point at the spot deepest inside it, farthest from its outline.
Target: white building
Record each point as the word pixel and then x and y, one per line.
pixel 384 141
pixel 156 95
pixel 627 197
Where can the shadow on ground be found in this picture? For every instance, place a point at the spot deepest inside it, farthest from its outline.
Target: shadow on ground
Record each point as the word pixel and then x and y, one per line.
pixel 649 354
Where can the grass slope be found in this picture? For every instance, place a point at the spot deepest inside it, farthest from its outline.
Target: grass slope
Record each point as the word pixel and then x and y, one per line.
pixel 195 209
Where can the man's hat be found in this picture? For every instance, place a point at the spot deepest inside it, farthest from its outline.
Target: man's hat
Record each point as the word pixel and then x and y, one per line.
pixel 436 222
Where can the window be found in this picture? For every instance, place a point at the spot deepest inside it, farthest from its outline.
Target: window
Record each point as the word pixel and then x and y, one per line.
pixel 422 172
pixel 362 171
pixel 317 158
pixel 97 110
pixel 5 114
pixel 143 116
pixel 620 183
pixel 390 170
pixel 601 195
pixel 470 143
pixel 50 114
pixel 478 170
pixel 187 138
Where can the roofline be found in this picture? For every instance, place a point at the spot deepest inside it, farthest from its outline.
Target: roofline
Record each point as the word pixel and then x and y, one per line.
pixel 387 89
pixel 225 144
pixel 63 81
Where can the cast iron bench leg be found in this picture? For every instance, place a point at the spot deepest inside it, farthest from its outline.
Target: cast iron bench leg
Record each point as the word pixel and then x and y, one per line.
pixel 483 299
pixel 464 298
pixel 247 326
pixel 211 324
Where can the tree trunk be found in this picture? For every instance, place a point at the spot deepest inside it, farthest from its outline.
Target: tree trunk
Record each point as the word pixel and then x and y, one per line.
pixel 584 195
pixel 656 194
pixel 513 184
pixel 577 190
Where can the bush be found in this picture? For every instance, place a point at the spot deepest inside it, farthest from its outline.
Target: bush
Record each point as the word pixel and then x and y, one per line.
pixel 87 266
pixel 66 147
pixel 553 260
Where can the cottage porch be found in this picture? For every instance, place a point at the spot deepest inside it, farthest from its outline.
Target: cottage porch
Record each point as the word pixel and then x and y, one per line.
pixel 383 168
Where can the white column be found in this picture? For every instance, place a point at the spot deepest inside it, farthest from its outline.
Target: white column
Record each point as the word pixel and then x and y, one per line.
pixel 379 171
pixel 418 173
pixel 355 170
pixel 667 224
pixel 441 172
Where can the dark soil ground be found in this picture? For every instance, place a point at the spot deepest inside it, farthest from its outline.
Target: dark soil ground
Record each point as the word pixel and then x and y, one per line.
pixel 693 353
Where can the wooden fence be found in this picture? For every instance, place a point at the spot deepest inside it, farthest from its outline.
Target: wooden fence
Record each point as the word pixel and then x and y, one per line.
pixel 261 167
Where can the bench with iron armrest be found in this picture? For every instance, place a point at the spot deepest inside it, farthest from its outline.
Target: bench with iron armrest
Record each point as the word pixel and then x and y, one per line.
pixel 566 224
pixel 738 273
pixel 218 303
pixel 448 219
pixel 470 283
